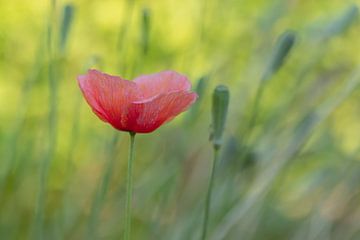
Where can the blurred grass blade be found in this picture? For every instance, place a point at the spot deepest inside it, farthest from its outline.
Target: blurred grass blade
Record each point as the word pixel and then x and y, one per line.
pixel 200 89
pixel 220 105
pixel 9 154
pixel 342 23
pixel 272 14
pixel 52 134
pixel 201 86
pixel 283 47
pixel 102 189
pixel 145 30
pixel 67 18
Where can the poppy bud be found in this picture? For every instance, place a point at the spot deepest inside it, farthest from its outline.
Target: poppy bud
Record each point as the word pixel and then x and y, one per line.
pixel 341 23
pixel 283 47
pixel 219 112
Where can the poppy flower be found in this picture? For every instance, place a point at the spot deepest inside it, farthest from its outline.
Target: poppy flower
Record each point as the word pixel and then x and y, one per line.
pixel 138 106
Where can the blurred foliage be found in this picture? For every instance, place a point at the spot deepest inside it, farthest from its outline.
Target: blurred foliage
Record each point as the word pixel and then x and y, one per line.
pixel 293 174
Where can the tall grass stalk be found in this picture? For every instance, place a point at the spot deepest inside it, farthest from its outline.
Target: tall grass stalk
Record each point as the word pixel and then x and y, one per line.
pixel 145 30
pixel 202 22
pixel 123 34
pixel 52 128
pixel 70 155
pixel 22 109
pixel 67 18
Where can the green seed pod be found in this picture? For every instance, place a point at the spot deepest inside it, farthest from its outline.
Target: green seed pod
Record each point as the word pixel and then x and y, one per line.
pixel 219 112
pixel 283 47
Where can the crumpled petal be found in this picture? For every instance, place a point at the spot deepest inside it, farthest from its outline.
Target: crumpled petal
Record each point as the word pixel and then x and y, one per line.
pixel 161 83
pixel 109 97
pixel 156 111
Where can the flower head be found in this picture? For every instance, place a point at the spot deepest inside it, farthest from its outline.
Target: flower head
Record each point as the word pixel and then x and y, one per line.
pixel 141 105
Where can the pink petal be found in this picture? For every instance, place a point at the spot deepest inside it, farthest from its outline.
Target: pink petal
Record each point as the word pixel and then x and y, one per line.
pixel 162 83
pixel 109 97
pixel 155 112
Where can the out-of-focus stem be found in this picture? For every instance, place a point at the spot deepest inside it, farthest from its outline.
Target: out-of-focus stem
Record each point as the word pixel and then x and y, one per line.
pixel 52 131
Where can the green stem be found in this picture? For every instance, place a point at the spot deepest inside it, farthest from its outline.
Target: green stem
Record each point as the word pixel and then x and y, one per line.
pixel 129 188
pixel 209 193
